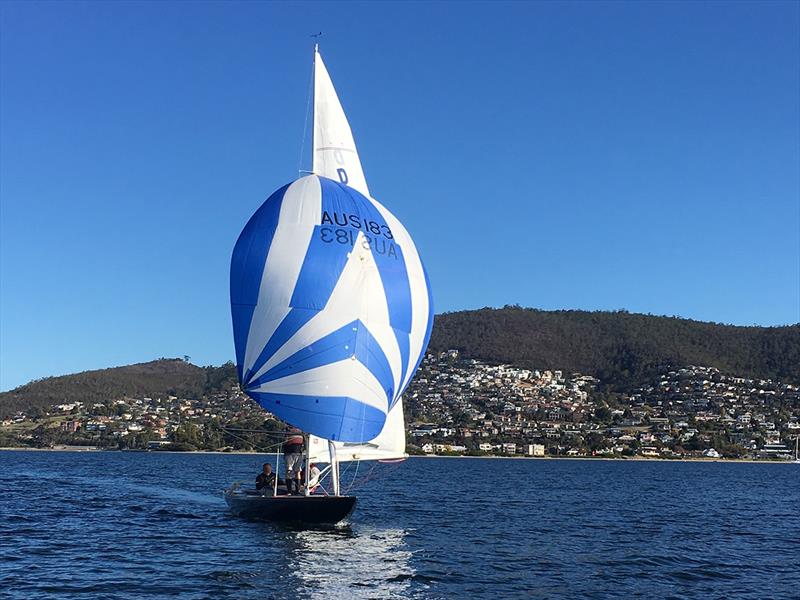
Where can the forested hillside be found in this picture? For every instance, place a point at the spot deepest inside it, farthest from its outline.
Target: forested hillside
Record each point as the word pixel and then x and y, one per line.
pixel 159 378
pixel 616 346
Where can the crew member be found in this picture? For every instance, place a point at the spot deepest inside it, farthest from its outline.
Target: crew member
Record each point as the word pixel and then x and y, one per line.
pixel 293 459
pixel 265 482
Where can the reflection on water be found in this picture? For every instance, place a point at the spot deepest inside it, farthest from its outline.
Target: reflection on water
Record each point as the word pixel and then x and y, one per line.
pixel 344 561
pixel 377 561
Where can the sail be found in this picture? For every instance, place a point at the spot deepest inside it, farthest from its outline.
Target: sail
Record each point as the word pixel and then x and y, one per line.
pixel 331 309
pixel 335 154
pixel 390 444
pixel 330 301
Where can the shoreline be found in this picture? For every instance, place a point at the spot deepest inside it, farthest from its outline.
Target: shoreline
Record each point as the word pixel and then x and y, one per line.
pixel 621 459
pixel 488 456
pixel 105 450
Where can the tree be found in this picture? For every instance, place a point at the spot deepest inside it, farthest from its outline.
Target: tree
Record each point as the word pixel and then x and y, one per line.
pixel 595 441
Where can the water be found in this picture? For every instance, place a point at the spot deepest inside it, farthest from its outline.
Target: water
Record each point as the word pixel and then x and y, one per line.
pixel 138 525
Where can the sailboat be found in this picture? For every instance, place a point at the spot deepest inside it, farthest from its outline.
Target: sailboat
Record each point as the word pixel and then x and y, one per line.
pixel 797 450
pixel 332 314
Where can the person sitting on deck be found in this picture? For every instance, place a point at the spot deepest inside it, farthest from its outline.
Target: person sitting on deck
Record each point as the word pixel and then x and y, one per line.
pixel 265 482
pixel 293 458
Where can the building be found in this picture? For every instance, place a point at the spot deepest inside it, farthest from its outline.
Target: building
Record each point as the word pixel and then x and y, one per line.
pixel 534 449
pixel 157 444
pixel 775 450
pixel 70 426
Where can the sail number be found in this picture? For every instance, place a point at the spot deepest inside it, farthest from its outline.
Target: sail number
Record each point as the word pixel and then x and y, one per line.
pixel 351 220
pixel 377 237
pixel 377 245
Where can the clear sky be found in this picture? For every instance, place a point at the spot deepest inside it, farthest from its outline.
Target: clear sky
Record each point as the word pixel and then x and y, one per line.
pixel 556 155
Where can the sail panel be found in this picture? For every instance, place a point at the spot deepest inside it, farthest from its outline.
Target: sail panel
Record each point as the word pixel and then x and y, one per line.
pixel 390 444
pixel 335 154
pixel 327 344
pixel 249 257
pixel 345 378
pixel 269 255
pixel 421 295
pixel 353 341
pixel 373 265
pixel 353 420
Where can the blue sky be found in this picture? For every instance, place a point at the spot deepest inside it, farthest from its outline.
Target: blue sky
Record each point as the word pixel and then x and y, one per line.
pixel 556 155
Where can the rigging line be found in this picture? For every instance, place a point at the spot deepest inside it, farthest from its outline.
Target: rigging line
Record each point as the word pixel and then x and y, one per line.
pixel 369 476
pixel 355 475
pixel 305 124
pixel 343 473
pixel 264 432
pixel 323 474
pixel 358 483
pixel 250 442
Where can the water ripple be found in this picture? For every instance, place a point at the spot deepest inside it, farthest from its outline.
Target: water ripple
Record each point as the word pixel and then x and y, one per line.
pixel 123 525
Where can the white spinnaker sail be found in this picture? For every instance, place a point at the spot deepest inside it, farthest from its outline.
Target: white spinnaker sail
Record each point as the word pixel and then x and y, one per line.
pixel 390 444
pixel 335 154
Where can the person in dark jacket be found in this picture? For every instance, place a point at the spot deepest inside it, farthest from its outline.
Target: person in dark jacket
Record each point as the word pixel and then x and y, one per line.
pixel 293 459
pixel 265 482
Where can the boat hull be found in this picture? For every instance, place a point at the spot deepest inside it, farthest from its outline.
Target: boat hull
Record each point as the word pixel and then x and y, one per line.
pixel 300 509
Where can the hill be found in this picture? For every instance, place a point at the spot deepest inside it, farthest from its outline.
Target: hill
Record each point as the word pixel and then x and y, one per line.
pixel 158 378
pixel 617 347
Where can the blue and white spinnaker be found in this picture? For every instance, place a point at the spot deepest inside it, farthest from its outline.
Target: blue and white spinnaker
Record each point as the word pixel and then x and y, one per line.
pixel 330 301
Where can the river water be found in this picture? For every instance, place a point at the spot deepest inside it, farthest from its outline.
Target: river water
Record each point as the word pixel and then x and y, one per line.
pixel 151 525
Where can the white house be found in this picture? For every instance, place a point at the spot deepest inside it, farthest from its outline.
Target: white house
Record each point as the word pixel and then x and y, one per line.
pixel 534 450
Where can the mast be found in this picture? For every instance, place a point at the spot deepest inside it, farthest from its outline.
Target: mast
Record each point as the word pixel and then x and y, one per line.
pixel 334 467
pixel 277 470
pixel 307 463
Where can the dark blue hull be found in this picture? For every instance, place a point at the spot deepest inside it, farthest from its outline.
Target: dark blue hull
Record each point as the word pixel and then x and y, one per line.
pixel 300 509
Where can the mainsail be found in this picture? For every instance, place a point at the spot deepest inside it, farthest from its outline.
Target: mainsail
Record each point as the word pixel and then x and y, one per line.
pixel 330 301
pixel 335 154
pixel 390 444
